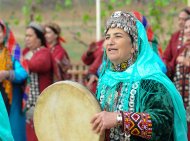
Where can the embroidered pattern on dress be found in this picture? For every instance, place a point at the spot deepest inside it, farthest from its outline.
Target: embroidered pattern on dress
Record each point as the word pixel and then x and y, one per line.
pixel 180 40
pixel 182 82
pixel 138 124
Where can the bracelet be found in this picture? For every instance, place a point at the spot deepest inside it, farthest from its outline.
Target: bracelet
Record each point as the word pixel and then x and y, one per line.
pixel 119 119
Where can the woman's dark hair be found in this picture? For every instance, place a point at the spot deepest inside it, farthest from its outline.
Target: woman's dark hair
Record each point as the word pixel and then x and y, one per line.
pixel 2 26
pixel 188 18
pixel 40 35
pixel 186 10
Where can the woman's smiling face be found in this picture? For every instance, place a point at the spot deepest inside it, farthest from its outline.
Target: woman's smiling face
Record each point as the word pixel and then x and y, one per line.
pixel 118 45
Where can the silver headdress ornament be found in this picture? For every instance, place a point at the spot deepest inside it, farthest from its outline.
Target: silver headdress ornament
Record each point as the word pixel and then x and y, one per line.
pixel 36 26
pixel 125 21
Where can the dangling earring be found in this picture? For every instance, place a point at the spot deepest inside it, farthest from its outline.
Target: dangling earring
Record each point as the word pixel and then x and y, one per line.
pixel 131 59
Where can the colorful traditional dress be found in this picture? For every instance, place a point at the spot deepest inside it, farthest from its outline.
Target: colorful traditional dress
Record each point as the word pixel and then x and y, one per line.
pixel 182 82
pixel 61 62
pixel 151 107
pixel 17 117
pixel 40 66
pixel 11 89
pixel 175 43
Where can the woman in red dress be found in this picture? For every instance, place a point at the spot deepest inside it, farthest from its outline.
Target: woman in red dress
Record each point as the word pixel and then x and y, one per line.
pixel 59 54
pixel 182 71
pixel 40 67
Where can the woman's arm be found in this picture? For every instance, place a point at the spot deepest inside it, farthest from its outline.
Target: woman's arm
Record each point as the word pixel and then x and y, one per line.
pixel 40 62
pixel 18 74
pixel 153 117
pixel 155 114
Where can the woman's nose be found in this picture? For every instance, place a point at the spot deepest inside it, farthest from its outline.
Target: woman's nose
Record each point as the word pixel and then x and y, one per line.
pixel 111 41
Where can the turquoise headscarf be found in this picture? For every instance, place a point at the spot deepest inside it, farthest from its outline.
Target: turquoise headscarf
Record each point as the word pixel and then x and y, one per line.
pixel 146 66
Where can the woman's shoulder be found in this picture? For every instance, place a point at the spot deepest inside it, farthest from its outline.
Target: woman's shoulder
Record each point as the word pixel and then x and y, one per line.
pixel 152 85
pixel 25 50
pixel 60 48
pixel 175 35
pixel 44 50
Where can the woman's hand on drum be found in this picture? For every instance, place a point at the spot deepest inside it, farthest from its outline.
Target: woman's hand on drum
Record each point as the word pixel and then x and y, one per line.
pixel 103 120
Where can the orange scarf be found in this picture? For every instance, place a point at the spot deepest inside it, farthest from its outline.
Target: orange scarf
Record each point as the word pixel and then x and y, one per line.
pixel 6 64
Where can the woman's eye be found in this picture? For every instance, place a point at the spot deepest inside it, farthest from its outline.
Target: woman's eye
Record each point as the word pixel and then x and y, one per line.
pixel 118 36
pixel 107 37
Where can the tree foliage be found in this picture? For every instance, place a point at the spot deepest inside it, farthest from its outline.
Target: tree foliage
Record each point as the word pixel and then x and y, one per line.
pixel 158 12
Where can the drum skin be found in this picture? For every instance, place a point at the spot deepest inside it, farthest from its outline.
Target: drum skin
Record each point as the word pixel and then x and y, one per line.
pixel 63 112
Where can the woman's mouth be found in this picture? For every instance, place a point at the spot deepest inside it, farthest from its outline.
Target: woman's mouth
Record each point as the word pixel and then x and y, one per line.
pixel 110 49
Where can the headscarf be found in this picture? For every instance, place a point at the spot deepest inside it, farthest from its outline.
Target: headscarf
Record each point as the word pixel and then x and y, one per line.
pixel 57 30
pixel 10 41
pixel 151 38
pixel 145 67
pixel 150 34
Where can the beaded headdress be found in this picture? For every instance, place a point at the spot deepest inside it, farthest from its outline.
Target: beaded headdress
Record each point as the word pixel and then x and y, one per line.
pixel 36 26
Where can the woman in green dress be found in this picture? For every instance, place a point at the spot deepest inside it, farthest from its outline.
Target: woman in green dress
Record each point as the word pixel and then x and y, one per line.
pixel 138 100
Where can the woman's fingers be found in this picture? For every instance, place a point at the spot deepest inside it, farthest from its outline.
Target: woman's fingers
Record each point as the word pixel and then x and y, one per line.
pixel 96 123
pixel 103 120
pixel 94 118
pixel 102 129
pixel 99 127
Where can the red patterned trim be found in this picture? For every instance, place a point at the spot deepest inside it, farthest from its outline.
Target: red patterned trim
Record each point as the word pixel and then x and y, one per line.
pixel 138 124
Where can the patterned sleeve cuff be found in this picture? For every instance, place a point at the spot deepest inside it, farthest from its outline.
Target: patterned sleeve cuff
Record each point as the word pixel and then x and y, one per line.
pixel 138 124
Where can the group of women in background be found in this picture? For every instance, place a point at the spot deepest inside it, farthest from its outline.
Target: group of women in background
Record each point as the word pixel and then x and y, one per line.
pixel 25 74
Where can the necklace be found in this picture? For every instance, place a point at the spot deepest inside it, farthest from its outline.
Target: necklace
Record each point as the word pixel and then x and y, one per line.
pixel 122 66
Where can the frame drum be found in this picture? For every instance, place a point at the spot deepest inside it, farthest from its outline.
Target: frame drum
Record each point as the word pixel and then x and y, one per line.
pixel 63 112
